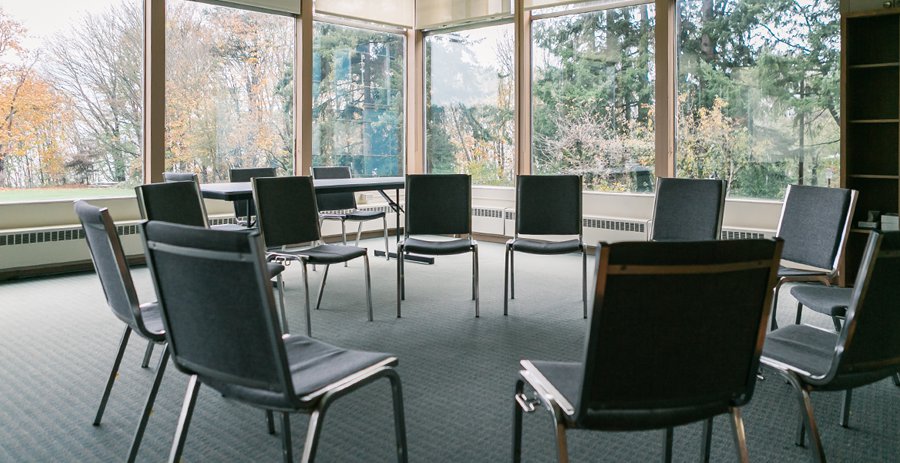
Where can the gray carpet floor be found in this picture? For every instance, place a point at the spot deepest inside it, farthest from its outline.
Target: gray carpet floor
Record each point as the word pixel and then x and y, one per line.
pixel 458 373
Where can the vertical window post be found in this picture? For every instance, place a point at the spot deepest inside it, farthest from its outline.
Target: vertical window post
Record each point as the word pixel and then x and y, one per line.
pixel 154 122
pixel 666 94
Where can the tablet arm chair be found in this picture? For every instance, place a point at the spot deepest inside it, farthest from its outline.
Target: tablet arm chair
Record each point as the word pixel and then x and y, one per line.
pixel 546 205
pixel 640 369
pixel 866 350
pixel 343 207
pixel 222 327
pixel 287 217
pixel 437 204
pixel 687 209
pixel 814 224
pixel 144 319
pixel 246 210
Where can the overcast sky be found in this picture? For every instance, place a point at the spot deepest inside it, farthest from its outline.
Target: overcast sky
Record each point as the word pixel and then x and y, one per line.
pixel 44 17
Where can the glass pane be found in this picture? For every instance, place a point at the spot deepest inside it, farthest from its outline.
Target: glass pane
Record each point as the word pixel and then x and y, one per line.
pixel 70 99
pixel 593 96
pixel 229 90
pixel 470 112
pixel 759 94
pixel 358 100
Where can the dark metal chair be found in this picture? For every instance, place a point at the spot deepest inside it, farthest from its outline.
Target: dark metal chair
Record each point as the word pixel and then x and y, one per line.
pixel 866 350
pixel 180 202
pixel 688 209
pixel 199 272
pixel 244 211
pixel 546 205
pixel 437 205
pixel 343 207
pixel 287 216
pixel 814 224
pixel 143 319
pixel 659 309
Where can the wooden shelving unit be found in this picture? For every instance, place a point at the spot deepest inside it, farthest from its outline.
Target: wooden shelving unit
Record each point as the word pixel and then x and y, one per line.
pixel 870 115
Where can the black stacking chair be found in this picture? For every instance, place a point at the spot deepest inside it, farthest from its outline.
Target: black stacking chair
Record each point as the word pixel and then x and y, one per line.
pixel 287 217
pixel 245 210
pixel 814 224
pixel 143 319
pixel 659 309
pixel 437 205
pixel 343 207
pixel 240 351
pixel 688 209
pixel 180 202
pixel 866 350
pixel 546 205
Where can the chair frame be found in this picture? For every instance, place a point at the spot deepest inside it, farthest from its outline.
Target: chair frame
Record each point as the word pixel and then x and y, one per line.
pixel 564 413
pixel 316 403
pixel 804 383
pixel 402 251
pixel 509 273
pixel 136 323
pixel 344 217
pixel 824 276
pixel 284 255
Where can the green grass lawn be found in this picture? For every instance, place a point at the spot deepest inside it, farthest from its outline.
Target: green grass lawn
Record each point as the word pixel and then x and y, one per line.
pixel 9 195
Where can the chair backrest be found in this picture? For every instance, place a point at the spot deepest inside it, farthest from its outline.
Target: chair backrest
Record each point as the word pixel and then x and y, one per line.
pixel 245 174
pixel 688 209
pixel 218 309
pixel 109 261
pixel 869 343
pixel 169 177
pixel 438 204
pixel 334 201
pixel 814 223
pixel 548 205
pixel 286 210
pixel 677 324
pixel 175 202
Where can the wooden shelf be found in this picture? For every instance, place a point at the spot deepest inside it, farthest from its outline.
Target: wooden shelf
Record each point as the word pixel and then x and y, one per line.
pixel 874 121
pixel 882 177
pixel 874 65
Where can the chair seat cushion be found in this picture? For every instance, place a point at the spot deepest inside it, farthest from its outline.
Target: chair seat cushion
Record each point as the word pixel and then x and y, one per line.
pixel 355 214
pixel 796 273
pixel 545 247
pixel 805 347
pixel 274 269
pixel 231 227
pixel 315 364
pixel 829 300
pixel 566 377
pixel 152 317
pixel 438 248
pixel 331 253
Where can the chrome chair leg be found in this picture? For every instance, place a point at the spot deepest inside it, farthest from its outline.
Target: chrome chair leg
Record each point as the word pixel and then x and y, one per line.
pixel 368 286
pixel 740 438
pixel 399 277
pixel 845 408
pixel 668 438
pixel 313 430
pixel 147 353
pixel 399 417
pixel 512 274
pixel 270 422
pixel 322 287
pixel 387 250
pixel 799 314
pixel 809 420
pixel 284 323
pixel 774 323
pixel 112 375
pixel 148 406
pixel 343 239
pixel 584 298
pixel 562 447
pixel 706 444
pixel 508 250
pixel 306 296
pixel 287 447
pixel 475 292
pixel 184 420
pixel 517 424
pixel 896 379
pixel 358 232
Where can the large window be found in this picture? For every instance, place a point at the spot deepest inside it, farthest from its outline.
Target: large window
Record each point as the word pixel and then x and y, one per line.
pixel 229 90
pixel 70 99
pixel 470 112
pixel 358 100
pixel 593 95
pixel 758 94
